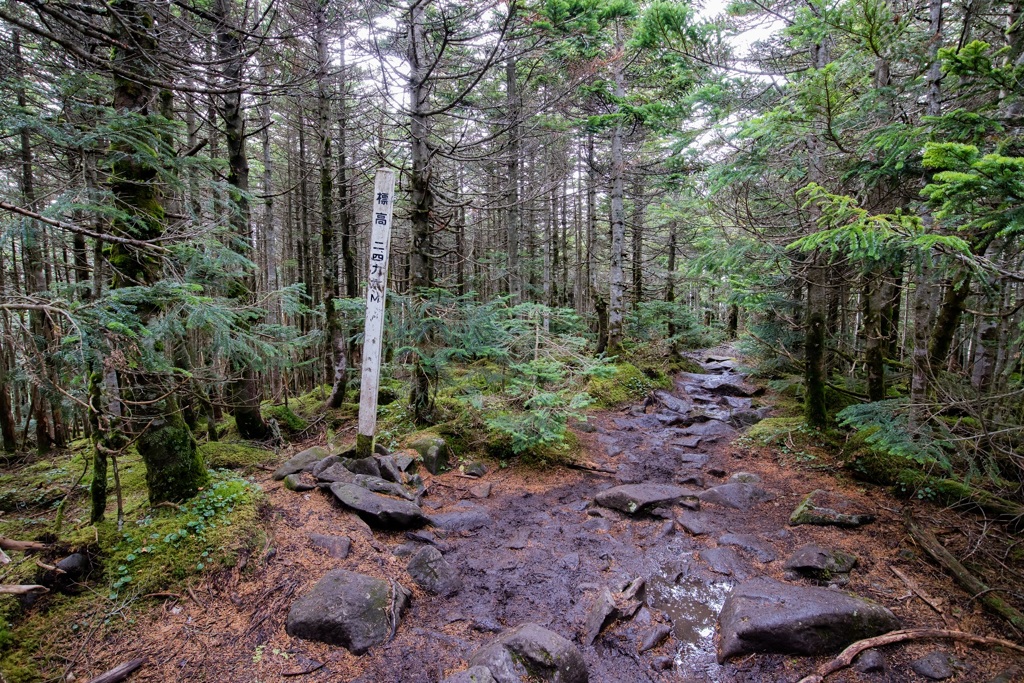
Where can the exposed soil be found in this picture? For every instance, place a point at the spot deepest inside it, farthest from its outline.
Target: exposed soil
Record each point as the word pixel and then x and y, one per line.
pixel 542 558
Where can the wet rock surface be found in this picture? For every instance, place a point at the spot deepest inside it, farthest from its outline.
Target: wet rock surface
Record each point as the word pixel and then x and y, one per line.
pixel 348 609
pixel 531 652
pixel 377 510
pixel 625 573
pixel 764 615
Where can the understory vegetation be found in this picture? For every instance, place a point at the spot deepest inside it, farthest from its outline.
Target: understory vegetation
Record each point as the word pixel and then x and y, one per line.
pixel 584 190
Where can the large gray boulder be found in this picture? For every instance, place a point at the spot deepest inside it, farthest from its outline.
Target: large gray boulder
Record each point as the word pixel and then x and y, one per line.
pixel 348 609
pixel 531 652
pixel 380 511
pixel 764 615
pixel 433 573
pixel 300 461
pixel 633 498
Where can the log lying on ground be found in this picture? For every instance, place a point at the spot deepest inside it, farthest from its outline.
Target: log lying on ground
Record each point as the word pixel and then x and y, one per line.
pixel 846 657
pixel 891 471
pixel 119 672
pixel 22 589
pixel 930 544
pixel 21 546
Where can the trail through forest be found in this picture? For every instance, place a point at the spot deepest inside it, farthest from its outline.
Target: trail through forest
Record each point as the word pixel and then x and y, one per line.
pixel 672 498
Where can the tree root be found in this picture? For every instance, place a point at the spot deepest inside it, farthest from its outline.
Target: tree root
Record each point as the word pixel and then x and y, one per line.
pixel 846 657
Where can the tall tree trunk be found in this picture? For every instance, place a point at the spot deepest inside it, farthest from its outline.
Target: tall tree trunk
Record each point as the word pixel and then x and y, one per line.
pixel 815 369
pixel 513 226
pixel 174 468
pixel 618 218
pixel 670 284
pixel 348 247
pixel 421 268
pixel 245 389
pixel 336 366
pixel 35 276
pixel 925 294
pixel 638 241
pixel 873 301
pixel 592 224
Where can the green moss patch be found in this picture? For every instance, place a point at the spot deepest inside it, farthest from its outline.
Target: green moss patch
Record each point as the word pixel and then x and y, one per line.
pixel 158 550
pixel 235 456
pixel 627 383
pixel 286 418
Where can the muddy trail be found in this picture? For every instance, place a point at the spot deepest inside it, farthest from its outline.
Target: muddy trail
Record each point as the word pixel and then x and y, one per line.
pixel 631 561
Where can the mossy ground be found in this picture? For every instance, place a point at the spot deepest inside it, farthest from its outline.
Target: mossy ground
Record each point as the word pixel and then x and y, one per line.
pixel 158 550
pixel 235 456
pixel 627 383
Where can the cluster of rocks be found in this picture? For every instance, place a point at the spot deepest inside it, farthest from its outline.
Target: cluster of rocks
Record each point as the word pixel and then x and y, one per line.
pixel 807 614
pixel 353 610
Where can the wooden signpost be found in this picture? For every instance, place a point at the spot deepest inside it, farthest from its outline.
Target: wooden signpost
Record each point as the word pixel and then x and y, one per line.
pixel 376 290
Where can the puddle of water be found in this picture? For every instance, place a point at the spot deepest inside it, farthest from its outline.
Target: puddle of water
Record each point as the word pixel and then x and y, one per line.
pixel 693 604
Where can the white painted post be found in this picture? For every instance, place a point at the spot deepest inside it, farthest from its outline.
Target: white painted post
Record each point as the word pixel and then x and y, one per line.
pixel 376 291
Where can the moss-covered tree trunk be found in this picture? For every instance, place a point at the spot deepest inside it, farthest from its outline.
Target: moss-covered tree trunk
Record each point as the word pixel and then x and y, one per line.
pixel 174 468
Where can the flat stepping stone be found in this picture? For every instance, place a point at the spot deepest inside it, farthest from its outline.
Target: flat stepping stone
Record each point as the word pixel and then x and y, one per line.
pixel 633 498
pixel 377 510
pixel 300 461
pixel 673 403
pixel 336 472
pixel 710 429
pixel 724 561
pixel 433 573
pixel 752 544
pixel 818 563
pixel 351 610
pixel 737 495
pixel 764 615
pixel 694 523
pixel 337 547
pixel 531 650
pixel 822 508
pixel 462 520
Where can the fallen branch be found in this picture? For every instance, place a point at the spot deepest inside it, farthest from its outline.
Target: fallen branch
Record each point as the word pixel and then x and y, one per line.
pixel 589 467
pixel 912 585
pixel 4 559
pixel 930 544
pixel 26 589
pixel 846 657
pixel 119 672
pixel 50 567
pixel 11 544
